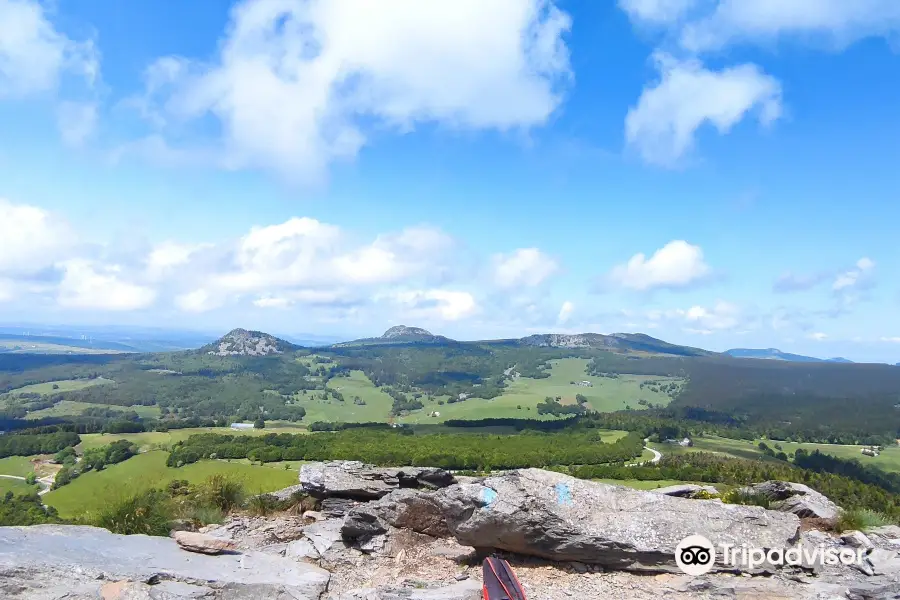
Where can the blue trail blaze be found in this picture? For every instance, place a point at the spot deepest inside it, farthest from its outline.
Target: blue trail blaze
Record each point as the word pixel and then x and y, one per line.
pixel 563 494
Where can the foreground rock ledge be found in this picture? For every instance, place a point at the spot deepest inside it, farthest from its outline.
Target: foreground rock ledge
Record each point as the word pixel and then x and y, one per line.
pixel 354 480
pixel 561 518
pixel 73 562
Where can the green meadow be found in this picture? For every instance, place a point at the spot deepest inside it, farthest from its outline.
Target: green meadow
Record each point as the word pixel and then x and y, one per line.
pixel 93 490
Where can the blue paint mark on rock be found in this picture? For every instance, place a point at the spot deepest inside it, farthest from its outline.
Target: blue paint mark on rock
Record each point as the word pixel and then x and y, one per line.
pixel 488 496
pixel 563 494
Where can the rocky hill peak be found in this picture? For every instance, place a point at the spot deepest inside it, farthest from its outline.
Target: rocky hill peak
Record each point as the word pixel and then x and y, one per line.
pixel 244 342
pixel 402 331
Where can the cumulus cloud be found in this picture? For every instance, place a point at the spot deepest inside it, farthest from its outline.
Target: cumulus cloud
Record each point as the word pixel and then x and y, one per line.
pixel 90 286
pixel 855 278
pixel 663 124
pixel 657 12
pixel 298 84
pixel 34 55
pixel 31 238
pixel 678 264
pixel 838 21
pixel 525 267
pixel 710 25
pixel 721 316
pixel 433 305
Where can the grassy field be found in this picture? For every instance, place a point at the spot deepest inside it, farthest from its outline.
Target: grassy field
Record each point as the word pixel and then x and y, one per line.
pixel 16 465
pixel 523 395
pixel 889 459
pixel 65 385
pixel 16 486
pixel 642 485
pixel 377 403
pixel 67 408
pixel 93 490
pixel 27 346
pixel 150 440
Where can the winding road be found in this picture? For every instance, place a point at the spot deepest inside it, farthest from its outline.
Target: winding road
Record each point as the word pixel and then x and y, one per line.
pixel 45 487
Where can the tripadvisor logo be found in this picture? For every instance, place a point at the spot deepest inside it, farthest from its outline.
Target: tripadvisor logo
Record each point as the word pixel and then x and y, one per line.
pixel 696 555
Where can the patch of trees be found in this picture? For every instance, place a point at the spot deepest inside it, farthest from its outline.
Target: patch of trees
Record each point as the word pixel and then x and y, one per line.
pixel 94 459
pixel 396 448
pixel 848 467
pixel 17 444
pixel 25 509
pixel 713 468
pixel 552 406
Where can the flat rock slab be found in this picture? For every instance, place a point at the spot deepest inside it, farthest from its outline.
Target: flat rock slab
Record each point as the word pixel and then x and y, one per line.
pixel 204 544
pixel 557 517
pixel 795 498
pixel 64 561
pixel 357 481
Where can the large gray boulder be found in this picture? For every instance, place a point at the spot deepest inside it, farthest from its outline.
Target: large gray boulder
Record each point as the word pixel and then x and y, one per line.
pixel 795 498
pixel 357 481
pixel 687 490
pixel 557 517
pixel 50 562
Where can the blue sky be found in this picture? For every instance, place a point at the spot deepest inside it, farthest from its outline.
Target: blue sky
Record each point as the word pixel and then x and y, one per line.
pixel 712 172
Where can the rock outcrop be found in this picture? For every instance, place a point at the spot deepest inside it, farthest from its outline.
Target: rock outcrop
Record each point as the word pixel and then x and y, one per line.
pixel 241 342
pixel 687 490
pixel 795 498
pixel 557 517
pixel 62 561
pixel 204 544
pixel 354 480
pixel 566 538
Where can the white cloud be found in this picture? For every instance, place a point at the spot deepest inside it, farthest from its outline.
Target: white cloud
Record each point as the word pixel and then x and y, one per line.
pixel 723 316
pixel 893 340
pixel 857 277
pixel 435 304
pixel 90 286
pixel 678 264
pixel 657 12
pixel 31 239
pixel 297 84
pixel 663 124
pixel 525 267
pixel 839 21
pixel 169 255
pixel 818 336
pixel 565 312
pixel 198 301
pixel 33 54
pixel 76 121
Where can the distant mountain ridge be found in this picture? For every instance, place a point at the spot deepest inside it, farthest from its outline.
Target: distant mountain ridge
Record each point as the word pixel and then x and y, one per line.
pixel 243 342
pixel 776 354
pixel 401 334
pixel 632 342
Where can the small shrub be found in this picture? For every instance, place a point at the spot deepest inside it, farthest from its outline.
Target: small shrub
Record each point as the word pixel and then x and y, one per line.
pixel 859 519
pixel 745 498
pixel 205 515
pixel 222 492
pixel 263 505
pixel 148 513
pixel 31 478
pixel 704 495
